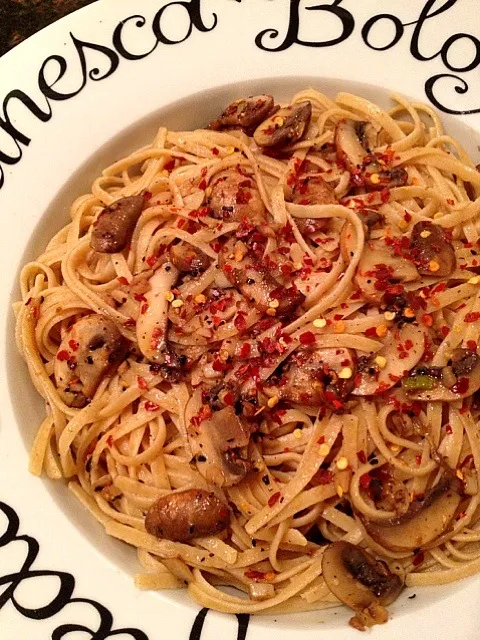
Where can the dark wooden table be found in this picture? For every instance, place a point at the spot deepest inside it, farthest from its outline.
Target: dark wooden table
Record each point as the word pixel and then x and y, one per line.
pixel 21 18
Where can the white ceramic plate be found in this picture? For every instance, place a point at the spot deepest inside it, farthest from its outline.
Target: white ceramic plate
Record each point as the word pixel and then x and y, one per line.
pixel 95 85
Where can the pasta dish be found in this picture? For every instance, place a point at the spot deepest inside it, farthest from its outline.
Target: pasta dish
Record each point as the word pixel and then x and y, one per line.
pixel 258 346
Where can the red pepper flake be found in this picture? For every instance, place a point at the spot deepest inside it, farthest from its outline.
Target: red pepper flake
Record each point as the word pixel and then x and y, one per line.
pixel 144 307
pixel 418 460
pixel 472 345
pixel 122 280
pixel 110 441
pixel 170 164
pixel 63 355
pixel 445 331
pixel 215 151
pixel 229 398
pixel 274 499
pixel 139 297
pixel 258 576
pixel 142 383
pixel 448 429
pixel 365 480
pixel 151 260
pixel 371 332
pixel 245 350
pixel 73 344
pixel 151 406
pixel 418 559
pixel 129 322
pixel 240 322
pixel 461 386
pixel 307 338
pixel 203 184
pixel 361 455
pixel 472 316
pixel 464 407
pixel 321 440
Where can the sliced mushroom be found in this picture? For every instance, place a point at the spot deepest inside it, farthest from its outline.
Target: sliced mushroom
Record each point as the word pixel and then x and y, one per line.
pixel 254 281
pixel 245 114
pixel 91 350
pixel 312 189
pixel 287 125
pixel 425 521
pixel 188 514
pixel 316 377
pixel 403 348
pixel 188 259
pixel 216 442
pixel 363 583
pixel 113 228
pixel 433 252
pixel 430 385
pixel 235 197
pixel 379 267
pixel 152 322
pixel 353 141
pixel 369 218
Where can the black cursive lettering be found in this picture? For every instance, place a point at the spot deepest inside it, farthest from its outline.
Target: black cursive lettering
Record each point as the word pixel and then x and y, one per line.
pixel 347 25
pixel 118 39
pixel 372 22
pixel 195 16
pixel 243 620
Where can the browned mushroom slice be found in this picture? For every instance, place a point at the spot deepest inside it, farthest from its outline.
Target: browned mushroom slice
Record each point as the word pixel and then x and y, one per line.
pixel 254 281
pixel 403 348
pixel 235 197
pixel 459 379
pixel 433 252
pixel 152 322
pixel 188 259
pixel 312 189
pixel 246 114
pixel 91 350
pixel 188 514
pixel 114 226
pixel 216 440
pixel 314 378
pixel 287 125
pixel 379 268
pixel 363 583
pixel 369 218
pixel 353 141
pixel 348 145
pixel 425 520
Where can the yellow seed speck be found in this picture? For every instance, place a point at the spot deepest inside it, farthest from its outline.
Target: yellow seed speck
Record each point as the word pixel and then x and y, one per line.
pixel 402 225
pixel 425 234
pixel 279 120
pixel 342 463
pixel 433 266
pixel 223 355
pixel 437 216
pixel 474 280
pixel 273 401
pixel 345 373
pixel 177 303
pixel 375 178
pixel 200 299
pixel 169 296
pixel 381 362
pixel 230 150
pixel 339 491
pixel 339 327
pixel 324 449
pixel 297 434
pixel 297 266
pixel 271 312
pixel 273 304
pixel 320 323
pixel 389 315
pixel 381 330
pixel 408 312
